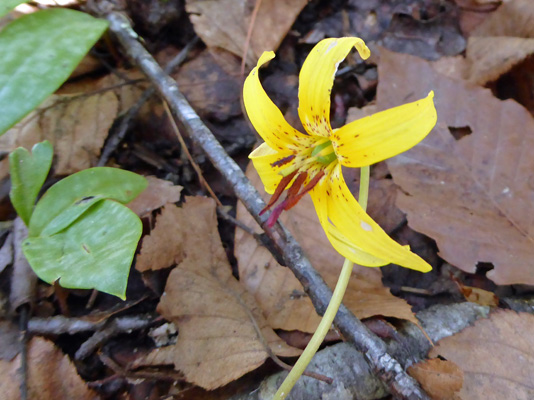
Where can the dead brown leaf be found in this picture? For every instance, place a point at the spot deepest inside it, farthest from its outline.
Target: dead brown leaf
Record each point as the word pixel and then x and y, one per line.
pixel 9 340
pixel 477 295
pixel 76 122
pixel 503 40
pixel 513 18
pixel 218 320
pixel 211 84
pixel 225 24
pixel 158 193
pixel 165 245
pixel 51 375
pixel 441 379
pixel 474 12
pixel 472 195
pixel 495 355
pixel 77 128
pixel 281 295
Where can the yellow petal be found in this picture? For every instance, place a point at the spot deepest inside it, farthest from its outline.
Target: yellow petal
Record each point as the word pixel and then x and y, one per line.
pixel 266 117
pixel 383 135
pixel 349 218
pixel 263 159
pixel 339 241
pixel 316 80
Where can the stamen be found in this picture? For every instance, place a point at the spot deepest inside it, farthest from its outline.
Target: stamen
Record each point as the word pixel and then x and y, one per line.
pixel 294 189
pixel 293 196
pixel 291 202
pixel 279 190
pixel 275 214
pixel 283 161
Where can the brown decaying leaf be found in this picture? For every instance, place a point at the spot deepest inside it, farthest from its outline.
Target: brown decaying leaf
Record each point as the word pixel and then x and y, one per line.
pixel 495 355
pixel 225 24
pixel 441 379
pixel 281 295
pixel 472 195
pixel 158 193
pixel 217 319
pixel 473 12
pixel 165 245
pixel 76 124
pixel 477 295
pixel 9 340
pixel 211 84
pixel 51 375
pixel 503 40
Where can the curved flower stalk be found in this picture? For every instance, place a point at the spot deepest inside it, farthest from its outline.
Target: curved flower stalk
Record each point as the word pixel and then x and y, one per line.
pixel 311 161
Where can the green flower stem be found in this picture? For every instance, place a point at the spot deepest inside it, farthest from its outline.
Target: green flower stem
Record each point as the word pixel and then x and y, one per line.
pixel 319 335
pixel 331 311
pixel 364 186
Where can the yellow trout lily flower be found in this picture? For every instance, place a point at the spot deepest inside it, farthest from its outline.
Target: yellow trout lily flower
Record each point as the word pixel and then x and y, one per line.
pixel 311 161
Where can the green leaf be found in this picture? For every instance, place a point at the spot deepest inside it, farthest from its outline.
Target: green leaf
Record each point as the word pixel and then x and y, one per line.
pixel 8 5
pixel 28 173
pixel 95 251
pixel 39 52
pixel 68 199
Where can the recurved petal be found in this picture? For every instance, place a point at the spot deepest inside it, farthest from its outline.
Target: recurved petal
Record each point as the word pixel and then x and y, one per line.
pixel 383 135
pixel 316 80
pixel 349 218
pixel 268 163
pixel 339 241
pixel 266 117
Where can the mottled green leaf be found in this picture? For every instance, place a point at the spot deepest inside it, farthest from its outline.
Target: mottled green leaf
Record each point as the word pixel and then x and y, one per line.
pixel 8 5
pixel 68 199
pixel 39 51
pixel 95 251
pixel 28 172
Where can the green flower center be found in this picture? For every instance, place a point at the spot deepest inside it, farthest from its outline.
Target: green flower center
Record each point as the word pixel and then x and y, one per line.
pixel 324 153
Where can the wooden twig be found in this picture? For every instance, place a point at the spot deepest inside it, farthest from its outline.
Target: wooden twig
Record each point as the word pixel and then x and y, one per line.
pixel 111 329
pixel 24 337
pixel 388 369
pixel 59 325
pixel 192 161
pixel 249 35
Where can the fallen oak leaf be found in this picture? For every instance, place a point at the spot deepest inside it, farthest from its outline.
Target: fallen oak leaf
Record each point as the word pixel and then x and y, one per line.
pixel 476 295
pixel 502 41
pixel 44 358
pixel 495 355
pixel 441 379
pixel 472 195
pixel 158 193
pixel 77 128
pixel 157 251
pixel 222 332
pixel 225 23
pixel 76 121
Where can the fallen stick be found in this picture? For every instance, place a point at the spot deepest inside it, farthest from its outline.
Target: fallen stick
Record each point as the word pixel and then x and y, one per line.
pixel 389 370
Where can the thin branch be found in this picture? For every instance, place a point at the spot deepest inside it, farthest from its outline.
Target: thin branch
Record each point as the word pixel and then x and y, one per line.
pixel 195 166
pixel 59 324
pixel 386 367
pixel 23 326
pixel 249 35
